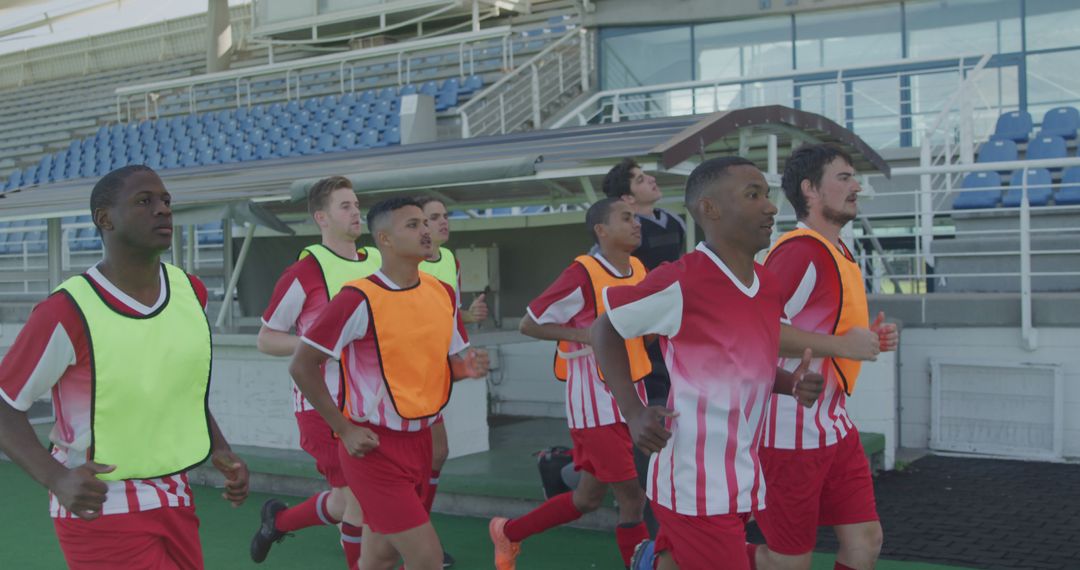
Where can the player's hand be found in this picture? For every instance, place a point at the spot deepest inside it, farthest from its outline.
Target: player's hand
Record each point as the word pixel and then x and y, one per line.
pixel 648 430
pixel 861 344
pixel 236 475
pixel 808 385
pixel 80 491
pixel 888 337
pixel 477 363
pixel 358 440
pixel 479 309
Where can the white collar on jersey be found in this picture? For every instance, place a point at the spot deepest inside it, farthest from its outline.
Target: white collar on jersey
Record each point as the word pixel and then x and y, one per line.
pixel 750 291
pixel 382 277
pixel 95 274
pixel 607 264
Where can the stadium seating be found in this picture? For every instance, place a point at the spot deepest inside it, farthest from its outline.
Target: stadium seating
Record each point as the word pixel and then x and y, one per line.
pixel 1044 146
pixel 973 197
pixel 1039 190
pixel 1014 126
pixel 1069 192
pixel 1061 122
pixel 314 125
pixel 998 150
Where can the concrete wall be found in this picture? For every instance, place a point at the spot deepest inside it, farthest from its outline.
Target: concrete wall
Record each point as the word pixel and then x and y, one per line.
pixel 1002 345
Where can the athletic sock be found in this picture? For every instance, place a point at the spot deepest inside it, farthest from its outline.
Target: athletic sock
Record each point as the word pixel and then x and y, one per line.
pixel 555 511
pixel 433 485
pixel 751 555
pixel 841 566
pixel 311 512
pixel 351 538
pixel 628 536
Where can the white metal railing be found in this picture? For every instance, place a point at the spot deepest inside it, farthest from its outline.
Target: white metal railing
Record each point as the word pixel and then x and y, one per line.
pixel 463 45
pixel 887 108
pixel 530 95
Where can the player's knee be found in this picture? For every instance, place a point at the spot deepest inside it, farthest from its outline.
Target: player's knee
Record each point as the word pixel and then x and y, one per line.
pixel 872 539
pixel 587 502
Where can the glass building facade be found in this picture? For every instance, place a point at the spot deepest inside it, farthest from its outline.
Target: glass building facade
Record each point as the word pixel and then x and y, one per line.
pixel 894 60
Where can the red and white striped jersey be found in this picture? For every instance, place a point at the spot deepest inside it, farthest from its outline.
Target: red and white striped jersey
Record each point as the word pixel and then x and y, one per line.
pixel 299 296
pixel 811 291
pixel 52 352
pixel 570 301
pixel 342 332
pixel 720 339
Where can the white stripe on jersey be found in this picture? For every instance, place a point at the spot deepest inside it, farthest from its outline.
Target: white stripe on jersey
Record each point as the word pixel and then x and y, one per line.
pixel 131 496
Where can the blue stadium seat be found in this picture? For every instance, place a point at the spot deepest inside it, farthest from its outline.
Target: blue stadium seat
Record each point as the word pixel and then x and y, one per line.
pixel 305 145
pixel 236 139
pixel 997 151
pixel 1014 126
pixel 170 160
pixel 342 112
pixel 207 156
pixel 361 109
pixel 430 88
pixel 264 150
pixel 153 161
pixel 311 104
pixel 369 138
pixel 294 131
pixel 394 120
pixel 393 135
pixel 241 113
pixel 257 111
pixel 256 136
pixel 1039 190
pixel 376 122
pixel 348 140
pixel 1062 121
pixel 189 158
pixel 354 124
pixel 275 110
pixel 275 134
pixel 1069 192
pixel 231 126
pixel 367 96
pixel 283 148
pixel 320 115
pixel 1042 147
pixel 473 83
pixel 329 101
pixel 335 126
pixel 387 93
pixel 246 152
pixel 327 143
pixel 407 89
pixel 202 142
pixel 381 107
pixel 973 198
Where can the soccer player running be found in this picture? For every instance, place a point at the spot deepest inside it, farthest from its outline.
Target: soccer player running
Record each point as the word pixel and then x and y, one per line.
pixel 444 266
pixel 718 315
pixel 400 343
pixel 663 239
pixel 301 293
pixel 125 349
pixel 602 447
pixel 815 468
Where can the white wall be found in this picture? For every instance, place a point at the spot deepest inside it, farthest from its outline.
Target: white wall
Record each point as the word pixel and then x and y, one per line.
pixel 919 345
pixel 873 405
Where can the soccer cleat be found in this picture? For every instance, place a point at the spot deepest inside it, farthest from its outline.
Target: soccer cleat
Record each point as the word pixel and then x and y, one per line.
pixel 267 534
pixel 506 552
pixel 644 557
pixel 447 560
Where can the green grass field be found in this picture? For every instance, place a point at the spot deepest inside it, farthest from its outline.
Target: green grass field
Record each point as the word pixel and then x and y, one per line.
pixel 28 542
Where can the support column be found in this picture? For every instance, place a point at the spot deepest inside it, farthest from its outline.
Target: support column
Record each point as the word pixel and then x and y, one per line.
pixel 219 42
pixel 54 237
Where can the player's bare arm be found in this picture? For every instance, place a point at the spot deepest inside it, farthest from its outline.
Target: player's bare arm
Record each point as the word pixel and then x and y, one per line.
pixel 804 385
pixel 305 371
pixel 78 490
pixel 470 363
pixel 646 423
pixel 856 344
pixel 275 342
pixel 230 465
pixel 529 327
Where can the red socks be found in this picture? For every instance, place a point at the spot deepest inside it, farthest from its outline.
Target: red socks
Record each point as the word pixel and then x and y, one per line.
pixel 555 511
pixel 839 566
pixel 628 536
pixel 351 537
pixel 311 512
pixel 433 486
pixel 751 555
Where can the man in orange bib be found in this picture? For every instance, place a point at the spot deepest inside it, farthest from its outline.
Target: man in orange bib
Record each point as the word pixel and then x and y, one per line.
pixel 602 451
pixel 401 343
pixel 815 469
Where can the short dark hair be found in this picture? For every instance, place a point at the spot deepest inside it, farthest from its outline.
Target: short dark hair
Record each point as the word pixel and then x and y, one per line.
pixel 705 174
pixel 384 208
pixel 808 162
pixel 425 200
pixel 104 193
pixel 599 213
pixel 617 180
pixel 320 191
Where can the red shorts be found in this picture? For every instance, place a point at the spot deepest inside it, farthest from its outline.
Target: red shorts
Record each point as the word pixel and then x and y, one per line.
pixel 698 543
pixel 808 488
pixel 319 441
pixel 606 452
pixel 391 480
pixel 163 539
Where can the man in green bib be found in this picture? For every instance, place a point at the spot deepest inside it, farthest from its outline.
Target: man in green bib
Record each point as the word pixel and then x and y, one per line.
pixel 125 349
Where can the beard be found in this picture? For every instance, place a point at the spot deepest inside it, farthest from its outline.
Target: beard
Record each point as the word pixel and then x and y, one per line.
pixel 834 216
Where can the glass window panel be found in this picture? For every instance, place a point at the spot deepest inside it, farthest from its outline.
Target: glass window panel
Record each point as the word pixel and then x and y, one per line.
pixel 743 48
pixel 631 57
pixel 943 28
pixel 1052 24
pixel 847 38
pixel 875 111
pixel 1048 83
